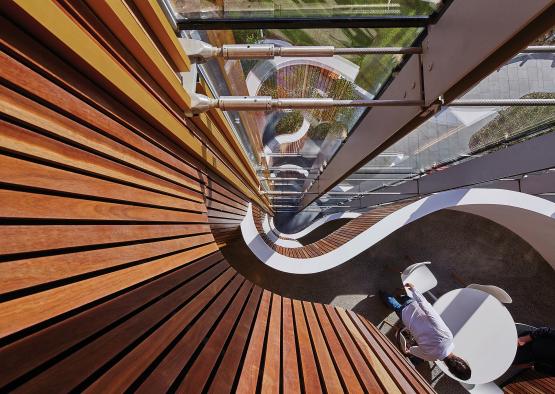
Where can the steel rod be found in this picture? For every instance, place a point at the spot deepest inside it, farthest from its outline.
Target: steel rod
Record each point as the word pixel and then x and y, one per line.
pixel 500 102
pixel 302 22
pixel 201 103
pixel 377 51
pixel 309 155
pixel 539 49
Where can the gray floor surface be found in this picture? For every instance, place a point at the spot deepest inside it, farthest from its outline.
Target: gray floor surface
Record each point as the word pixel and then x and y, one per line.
pixel 463 249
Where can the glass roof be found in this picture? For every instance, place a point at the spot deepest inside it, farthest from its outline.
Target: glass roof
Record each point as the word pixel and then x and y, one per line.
pixel 460 133
pixel 290 148
pixel 293 145
pixel 246 9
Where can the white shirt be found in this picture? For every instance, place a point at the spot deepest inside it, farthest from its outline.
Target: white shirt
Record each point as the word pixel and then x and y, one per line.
pixel 433 337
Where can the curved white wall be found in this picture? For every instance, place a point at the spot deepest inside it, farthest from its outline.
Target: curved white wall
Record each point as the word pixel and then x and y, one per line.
pixel 532 218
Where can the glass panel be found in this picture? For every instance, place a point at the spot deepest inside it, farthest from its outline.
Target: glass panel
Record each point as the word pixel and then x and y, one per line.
pixel 292 145
pixel 460 133
pixel 299 8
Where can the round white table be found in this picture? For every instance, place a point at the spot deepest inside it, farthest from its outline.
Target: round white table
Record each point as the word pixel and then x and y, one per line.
pixel 483 330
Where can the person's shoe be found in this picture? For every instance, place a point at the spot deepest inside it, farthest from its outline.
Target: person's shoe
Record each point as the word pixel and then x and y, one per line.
pixel 386 298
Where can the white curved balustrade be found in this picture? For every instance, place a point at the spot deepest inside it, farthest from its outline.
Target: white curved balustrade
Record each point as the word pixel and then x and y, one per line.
pixel 530 217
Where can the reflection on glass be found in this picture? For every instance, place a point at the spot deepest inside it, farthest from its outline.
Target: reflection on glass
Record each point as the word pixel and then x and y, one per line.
pixel 460 133
pixel 300 8
pixel 297 144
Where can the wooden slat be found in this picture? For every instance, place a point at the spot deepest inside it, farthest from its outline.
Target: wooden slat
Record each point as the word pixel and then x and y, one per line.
pixel 86 113
pixel 21 274
pixel 365 373
pixel 19 172
pixel 74 369
pixel 384 357
pixel 325 362
pixel 291 380
pixel 228 370
pixel 41 59
pixel 344 367
pixel 24 205
pixel 24 312
pixel 53 340
pixel 180 353
pixel 197 376
pixel 271 373
pixel 372 359
pixel 33 238
pixel 310 378
pixel 22 141
pixel 214 205
pixel 58 125
pixel 251 366
pixel 400 362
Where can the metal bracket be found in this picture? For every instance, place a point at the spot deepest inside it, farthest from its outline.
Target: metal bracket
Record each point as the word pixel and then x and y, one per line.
pixel 199 51
pixel 200 103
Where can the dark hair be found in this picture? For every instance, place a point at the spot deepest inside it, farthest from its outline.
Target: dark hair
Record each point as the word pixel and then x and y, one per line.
pixel 458 367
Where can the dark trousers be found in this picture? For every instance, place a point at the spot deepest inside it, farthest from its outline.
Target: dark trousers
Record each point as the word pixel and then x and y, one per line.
pixel 541 352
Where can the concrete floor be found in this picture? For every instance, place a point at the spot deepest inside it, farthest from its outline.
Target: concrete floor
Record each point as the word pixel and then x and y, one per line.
pixel 463 249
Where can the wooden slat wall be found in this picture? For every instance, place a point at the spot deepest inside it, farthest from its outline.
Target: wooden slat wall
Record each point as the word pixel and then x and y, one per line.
pixel 110 273
pixel 226 210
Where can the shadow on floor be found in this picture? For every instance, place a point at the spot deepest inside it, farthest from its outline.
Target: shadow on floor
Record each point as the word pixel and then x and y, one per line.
pixel 463 249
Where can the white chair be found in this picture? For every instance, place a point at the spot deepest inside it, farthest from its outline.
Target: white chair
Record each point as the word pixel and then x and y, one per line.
pixel 421 277
pixel 402 339
pixel 495 291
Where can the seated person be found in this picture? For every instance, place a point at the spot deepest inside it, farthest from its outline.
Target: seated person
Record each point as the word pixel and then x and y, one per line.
pixel 434 340
pixel 536 348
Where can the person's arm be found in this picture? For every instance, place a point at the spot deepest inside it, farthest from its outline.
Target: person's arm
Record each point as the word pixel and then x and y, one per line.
pixel 416 295
pixel 542 332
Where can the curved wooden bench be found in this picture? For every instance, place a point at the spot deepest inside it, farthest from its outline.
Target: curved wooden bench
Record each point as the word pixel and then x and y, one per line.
pixel 333 240
pixel 110 273
pixel 530 381
pixel 204 327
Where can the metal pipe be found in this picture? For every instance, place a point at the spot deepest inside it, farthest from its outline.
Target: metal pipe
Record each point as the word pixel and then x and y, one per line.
pixel 500 102
pixel 324 22
pixel 201 103
pixel 378 51
pixel 278 193
pixel 539 49
pixel 363 193
pixel 284 179
pixel 308 156
pixel 295 206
